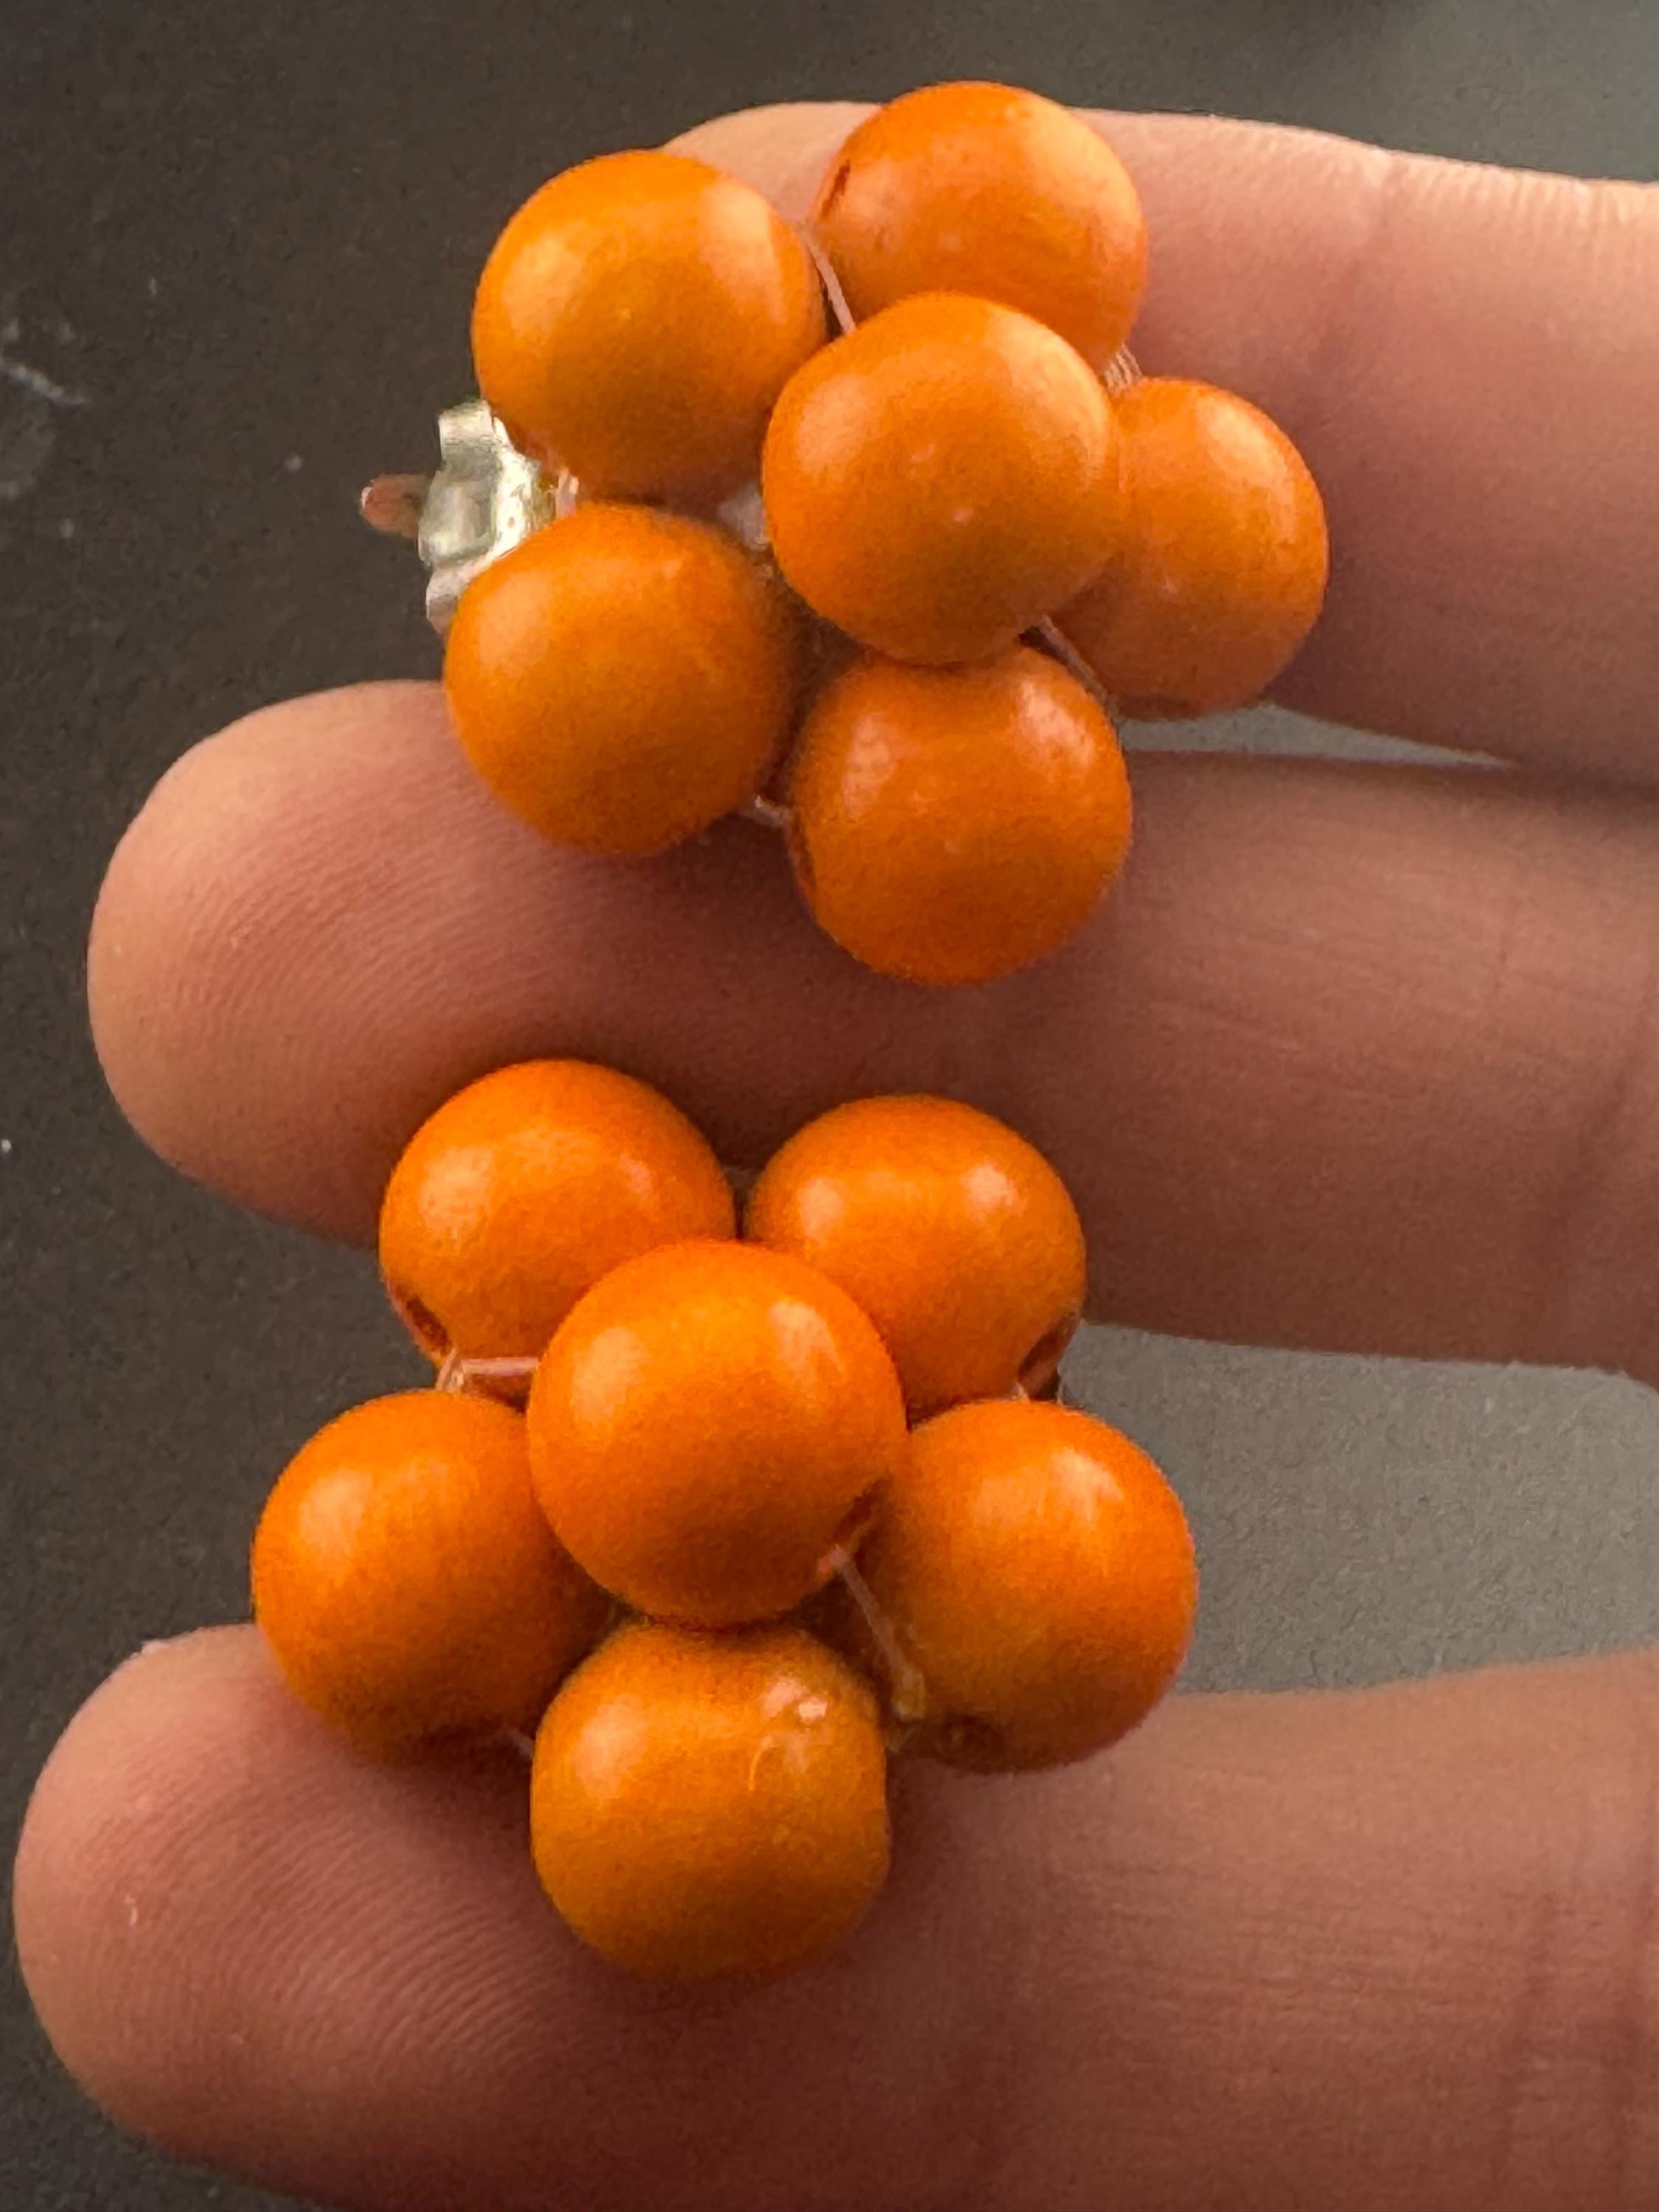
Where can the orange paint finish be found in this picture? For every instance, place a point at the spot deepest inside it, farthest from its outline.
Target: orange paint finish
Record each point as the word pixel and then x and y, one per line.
pixel 1221 570
pixel 953 1234
pixel 622 678
pixel 942 478
pixel 705 1806
pixel 514 1199
pixel 708 1426
pixel 951 824
pixel 637 321
pixel 983 189
pixel 406 1582
pixel 1036 1569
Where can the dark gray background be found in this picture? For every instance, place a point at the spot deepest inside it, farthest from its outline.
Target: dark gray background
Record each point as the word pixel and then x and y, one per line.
pixel 243 240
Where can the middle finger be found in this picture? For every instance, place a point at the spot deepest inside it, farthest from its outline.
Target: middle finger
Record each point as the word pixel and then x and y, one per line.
pixel 1359 1058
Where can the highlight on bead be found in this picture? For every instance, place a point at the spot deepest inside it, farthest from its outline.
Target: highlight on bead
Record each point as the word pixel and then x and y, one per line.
pixel 942 478
pixel 1220 571
pixel 405 1581
pixel 709 1806
pixel 784 1503
pixel 948 825
pixel 955 1235
pixel 728 455
pixel 993 191
pixel 514 1197
pixel 636 320
pixel 624 678
pixel 709 1429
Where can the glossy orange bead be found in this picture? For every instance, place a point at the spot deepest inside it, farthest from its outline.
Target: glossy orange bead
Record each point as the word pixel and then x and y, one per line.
pixel 522 1190
pixel 942 478
pixel 953 1234
pixel 637 321
pixel 1221 570
pixel 707 1429
pixel 1036 1569
pixel 622 678
pixel 948 825
pixel 705 1806
pixel 983 189
pixel 406 1582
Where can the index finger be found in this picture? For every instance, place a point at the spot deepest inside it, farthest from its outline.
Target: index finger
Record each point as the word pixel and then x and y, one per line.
pixel 1466 357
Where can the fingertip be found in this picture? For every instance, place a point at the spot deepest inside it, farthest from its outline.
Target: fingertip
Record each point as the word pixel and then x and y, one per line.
pixel 126 1719
pixel 233 850
pixel 88 1906
pixel 194 1855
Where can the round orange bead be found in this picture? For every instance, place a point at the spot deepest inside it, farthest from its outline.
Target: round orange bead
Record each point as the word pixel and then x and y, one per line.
pixel 954 1234
pixel 622 678
pixel 983 189
pixel 405 1581
pixel 523 1189
pixel 950 824
pixel 1220 573
pixel 707 1430
pixel 942 478
pixel 705 1806
pixel 637 321
pixel 1036 1568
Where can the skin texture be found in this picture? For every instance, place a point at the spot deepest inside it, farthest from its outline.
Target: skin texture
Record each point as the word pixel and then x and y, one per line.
pixel 984 189
pixel 636 320
pixel 1036 1567
pixel 1359 1057
pixel 955 1236
pixel 1220 573
pixel 952 824
pixel 405 1580
pixel 525 1188
pixel 622 678
pixel 707 1428
pixel 942 478
pixel 705 1806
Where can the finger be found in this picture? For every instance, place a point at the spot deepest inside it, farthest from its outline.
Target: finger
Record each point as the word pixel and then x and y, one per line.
pixel 1390 1950
pixel 1465 355
pixel 1358 1058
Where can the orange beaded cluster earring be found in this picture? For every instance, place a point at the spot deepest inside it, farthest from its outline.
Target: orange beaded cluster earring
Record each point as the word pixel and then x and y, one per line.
pixel 870 529
pixel 725 1516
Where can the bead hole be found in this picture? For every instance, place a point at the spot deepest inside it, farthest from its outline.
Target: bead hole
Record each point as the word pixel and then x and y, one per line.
pixel 799 858
pixel 844 1545
pixel 422 1324
pixel 834 190
pixel 1039 1373
pixel 967 1742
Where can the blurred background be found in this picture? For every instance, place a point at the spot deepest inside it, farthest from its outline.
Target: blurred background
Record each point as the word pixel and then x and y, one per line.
pixel 237 248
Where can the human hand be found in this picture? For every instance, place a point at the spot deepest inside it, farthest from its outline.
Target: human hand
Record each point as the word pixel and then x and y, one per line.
pixel 1359 1057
